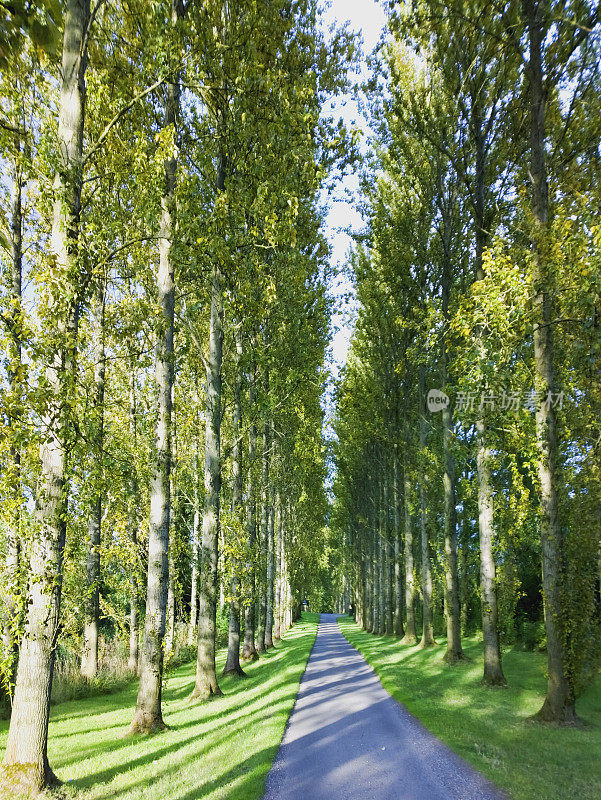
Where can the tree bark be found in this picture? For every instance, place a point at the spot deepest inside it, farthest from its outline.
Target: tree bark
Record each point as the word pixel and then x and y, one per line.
pixel 369 582
pixel 14 615
pixel 399 629
pixel 493 670
pixel 25 765
pixel 410 636
pixel 148 715
pixel 364 576
pixel 195 533
pixel 263 543
pixel 454 650
pixel 170 614
pixel 249 651
pixel 270 573
pixel 195 567
pixel 464 586
pixel 560 701
pixel 206 685
pixel 427 639
pixel 232 663
pixel 387 586
pixel 277 630
pixel 132 525
pixel 89 659
pixel 134 634
pixel 376 580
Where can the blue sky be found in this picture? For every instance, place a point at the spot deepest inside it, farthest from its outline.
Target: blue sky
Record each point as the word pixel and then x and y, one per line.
pixel 367 18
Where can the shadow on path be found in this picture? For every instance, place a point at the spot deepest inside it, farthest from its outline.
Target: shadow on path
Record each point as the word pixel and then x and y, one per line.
pixel 348 739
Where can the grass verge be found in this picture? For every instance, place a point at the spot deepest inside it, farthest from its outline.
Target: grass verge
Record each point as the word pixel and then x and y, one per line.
pixel 490 727
pixel 216 750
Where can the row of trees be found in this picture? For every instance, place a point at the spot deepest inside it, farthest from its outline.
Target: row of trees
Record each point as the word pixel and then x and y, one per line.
pixel 165 321
pixel 478 277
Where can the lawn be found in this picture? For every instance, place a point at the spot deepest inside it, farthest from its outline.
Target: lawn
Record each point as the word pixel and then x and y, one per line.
pixel 490 727
pixel 220 749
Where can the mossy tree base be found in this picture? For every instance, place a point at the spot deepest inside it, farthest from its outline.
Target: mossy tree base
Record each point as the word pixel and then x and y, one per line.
pixel 237 672
pixel 207 690
pixel 145 723
pixel 494 680
pixel 452 657
pixel 558 714
pixel 26 780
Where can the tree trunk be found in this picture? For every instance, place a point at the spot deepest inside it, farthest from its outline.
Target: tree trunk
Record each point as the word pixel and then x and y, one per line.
pixel 278 573
pixel 89 659
pixel 386 624
pixel 270 574
pixel 389 564
pixel 452 604
pixel 173 539
pixel 427 639
pixel 376 580
pixel 285 589
pixel 288 607
pixel 206 685
pixel 192 633
pixel 14 615
pixel 452 607
pixel 132 661
pixel 383 598
pixel 148 715
pixel 369 584
pixel 25 766
pixel 493 671
pixel 249 651
pixel 232 663
pixel 170 620
pixel 195 565
pixel 263 544
pixel 132 525
pixel 364 577
pixel 410 636
pixel 398 548
pixel 464 573
pixel 560 701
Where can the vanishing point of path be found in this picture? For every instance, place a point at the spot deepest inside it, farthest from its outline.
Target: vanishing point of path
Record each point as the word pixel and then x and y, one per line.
pixel 347 739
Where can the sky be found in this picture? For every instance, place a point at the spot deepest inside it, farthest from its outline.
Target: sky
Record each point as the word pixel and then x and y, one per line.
pixel 367 18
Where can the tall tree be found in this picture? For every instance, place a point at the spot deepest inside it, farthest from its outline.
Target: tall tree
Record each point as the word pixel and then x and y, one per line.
pixel 89 658
pixel 148 714
pixel 25 764
pixel 206 685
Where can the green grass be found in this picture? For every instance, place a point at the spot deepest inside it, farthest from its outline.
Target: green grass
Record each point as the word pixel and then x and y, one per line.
pixel 490 727
pixel 220 749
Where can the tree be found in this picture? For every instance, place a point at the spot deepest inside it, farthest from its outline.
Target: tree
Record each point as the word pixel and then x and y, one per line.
pixel 25 765
pixel 148 714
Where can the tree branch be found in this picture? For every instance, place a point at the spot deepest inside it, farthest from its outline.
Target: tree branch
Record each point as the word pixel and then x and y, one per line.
pixel 127 107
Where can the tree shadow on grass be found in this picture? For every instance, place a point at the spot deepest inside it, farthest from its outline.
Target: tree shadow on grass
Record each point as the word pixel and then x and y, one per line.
pixel 224 720
pixel 230 720
pixel 252 787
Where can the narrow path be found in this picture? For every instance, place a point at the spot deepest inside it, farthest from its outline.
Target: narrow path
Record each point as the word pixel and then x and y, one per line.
pixel 347 739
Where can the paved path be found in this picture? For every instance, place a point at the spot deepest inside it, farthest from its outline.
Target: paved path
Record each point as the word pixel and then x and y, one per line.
pixel 347 739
